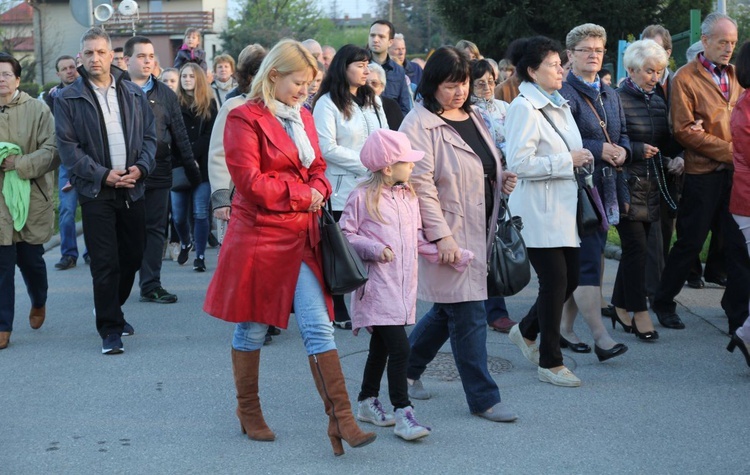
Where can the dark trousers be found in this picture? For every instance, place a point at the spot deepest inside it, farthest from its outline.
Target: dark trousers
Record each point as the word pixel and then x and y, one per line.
pixel 737 293
pixel 28 258
pixel 558 270
pixel 388 345
pixel 157 212
pixel 704 198
pixel 115 235
pixel 714 269
pixel 495 308
pixel 630 284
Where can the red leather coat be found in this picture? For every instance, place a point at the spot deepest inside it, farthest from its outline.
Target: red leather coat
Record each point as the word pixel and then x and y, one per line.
pixel 271 232
pixel 739 200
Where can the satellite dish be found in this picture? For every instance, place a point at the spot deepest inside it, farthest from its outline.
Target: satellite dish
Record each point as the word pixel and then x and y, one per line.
pixel 83 11
pixel 103 12
pixel 128 8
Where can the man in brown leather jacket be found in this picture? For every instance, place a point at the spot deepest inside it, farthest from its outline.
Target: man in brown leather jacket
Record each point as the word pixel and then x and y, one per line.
pixel 705 90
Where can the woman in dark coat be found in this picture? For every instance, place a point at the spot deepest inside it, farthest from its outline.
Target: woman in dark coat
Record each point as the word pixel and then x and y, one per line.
pixel 593 103
pixel 646 115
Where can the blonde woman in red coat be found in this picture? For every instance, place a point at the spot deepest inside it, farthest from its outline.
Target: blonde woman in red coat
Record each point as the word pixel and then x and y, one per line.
pixel 270 258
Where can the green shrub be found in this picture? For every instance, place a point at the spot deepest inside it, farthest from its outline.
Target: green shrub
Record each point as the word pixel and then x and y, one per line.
pixel 31 88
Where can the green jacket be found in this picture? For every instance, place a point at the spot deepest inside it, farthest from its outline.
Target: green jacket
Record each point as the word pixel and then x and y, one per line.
pixel 28 123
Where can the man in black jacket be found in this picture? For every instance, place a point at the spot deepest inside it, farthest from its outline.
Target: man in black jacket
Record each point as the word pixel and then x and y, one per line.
pixel 107 140
pixel 170 135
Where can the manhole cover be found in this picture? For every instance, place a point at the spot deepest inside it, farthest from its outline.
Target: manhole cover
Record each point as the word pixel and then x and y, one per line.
pixel 444 367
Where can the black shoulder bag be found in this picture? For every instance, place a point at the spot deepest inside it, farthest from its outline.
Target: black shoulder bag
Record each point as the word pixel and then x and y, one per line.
pixel 343 270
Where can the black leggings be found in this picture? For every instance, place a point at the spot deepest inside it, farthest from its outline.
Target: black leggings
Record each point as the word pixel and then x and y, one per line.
pixel 388 344
pixel 558 270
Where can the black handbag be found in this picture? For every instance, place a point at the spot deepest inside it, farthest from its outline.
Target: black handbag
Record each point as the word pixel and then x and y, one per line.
pixel 343 270
pixel 588 216
pixel 508 269
pixel 180 180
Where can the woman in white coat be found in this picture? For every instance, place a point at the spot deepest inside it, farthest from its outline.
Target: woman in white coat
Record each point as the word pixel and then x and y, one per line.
pixel 346 112
pixel 544 147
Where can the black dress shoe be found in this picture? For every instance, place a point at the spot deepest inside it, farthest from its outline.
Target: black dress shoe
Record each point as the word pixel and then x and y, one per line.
pixel 670 320
pixel 604 355
pixel 722 281
pixel 575 347
pixel 696 283
pixel 609 311
pixel 66 262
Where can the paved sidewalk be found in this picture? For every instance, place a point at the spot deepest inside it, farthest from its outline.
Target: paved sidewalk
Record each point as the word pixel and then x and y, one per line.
pixel 679 405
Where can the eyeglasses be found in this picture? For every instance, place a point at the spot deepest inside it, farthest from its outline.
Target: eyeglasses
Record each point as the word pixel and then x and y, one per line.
pixel 590 51
pixel 482 84
pixel 7 75
pixel 375 83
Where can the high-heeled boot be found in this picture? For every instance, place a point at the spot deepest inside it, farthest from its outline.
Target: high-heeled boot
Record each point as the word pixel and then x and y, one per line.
pixel 329 379
pixel 245 367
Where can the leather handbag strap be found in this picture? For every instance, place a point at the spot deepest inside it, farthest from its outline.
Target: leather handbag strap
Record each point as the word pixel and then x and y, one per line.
pixel 555 127
pixel 602 124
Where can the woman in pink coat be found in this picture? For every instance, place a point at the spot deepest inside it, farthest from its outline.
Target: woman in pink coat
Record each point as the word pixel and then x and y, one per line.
pixel 270 258
pixel 381 220
pixel 455 183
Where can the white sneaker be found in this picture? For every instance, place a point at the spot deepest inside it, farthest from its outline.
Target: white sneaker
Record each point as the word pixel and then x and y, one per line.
pixel 174 250
pixel 370 410
pixel 407 426
pixel 564 377
pixel 530 352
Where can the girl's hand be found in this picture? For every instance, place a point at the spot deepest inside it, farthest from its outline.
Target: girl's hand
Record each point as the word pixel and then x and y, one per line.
pixel 448 250
pixel 387 255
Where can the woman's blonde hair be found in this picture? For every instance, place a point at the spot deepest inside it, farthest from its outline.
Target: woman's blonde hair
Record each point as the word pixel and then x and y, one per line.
pixel 200 101
pixel 287 57
pixel 374 188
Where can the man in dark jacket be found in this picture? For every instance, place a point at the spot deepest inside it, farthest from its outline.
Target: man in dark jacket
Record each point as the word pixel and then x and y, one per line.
pixel 107 139
pixel 170 135
pixel 380 39
pixel 66 70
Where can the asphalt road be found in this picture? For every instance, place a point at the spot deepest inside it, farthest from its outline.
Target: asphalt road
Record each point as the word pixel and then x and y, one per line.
pixel 679 405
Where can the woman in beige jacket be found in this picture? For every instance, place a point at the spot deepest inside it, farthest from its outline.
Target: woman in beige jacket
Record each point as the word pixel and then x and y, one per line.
pixel 26 123
pixel 455 183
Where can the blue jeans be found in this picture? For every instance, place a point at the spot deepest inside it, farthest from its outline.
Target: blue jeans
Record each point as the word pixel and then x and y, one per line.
pixel 495 308
pixel 30 260
pixel 466 326
pixel 67 211
pixel 201 199
pixel 312 317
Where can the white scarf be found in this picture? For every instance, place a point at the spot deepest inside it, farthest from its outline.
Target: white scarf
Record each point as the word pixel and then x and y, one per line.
pixel 291 120
pixel 225 85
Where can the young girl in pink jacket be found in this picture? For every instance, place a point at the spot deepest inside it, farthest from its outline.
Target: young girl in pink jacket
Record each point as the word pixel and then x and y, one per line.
pixel 381 220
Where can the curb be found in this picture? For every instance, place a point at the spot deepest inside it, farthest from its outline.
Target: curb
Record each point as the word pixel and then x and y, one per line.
pixel 612 251
pixel 54 241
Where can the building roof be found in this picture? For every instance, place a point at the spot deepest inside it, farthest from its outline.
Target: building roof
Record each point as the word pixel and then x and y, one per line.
pixel 21 14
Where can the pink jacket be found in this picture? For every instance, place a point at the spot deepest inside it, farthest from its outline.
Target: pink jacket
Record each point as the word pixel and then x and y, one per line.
pixel 390 295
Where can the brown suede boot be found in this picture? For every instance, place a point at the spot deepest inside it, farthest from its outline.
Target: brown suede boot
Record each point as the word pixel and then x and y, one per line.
pixel 36 317
pixel 329 379
pixel 245 366
pixel 4 340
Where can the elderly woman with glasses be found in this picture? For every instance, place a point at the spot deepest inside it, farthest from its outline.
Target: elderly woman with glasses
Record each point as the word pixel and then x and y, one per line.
pixel 493 113
pixel 598 113
pixel 376 80
pixel 28 159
